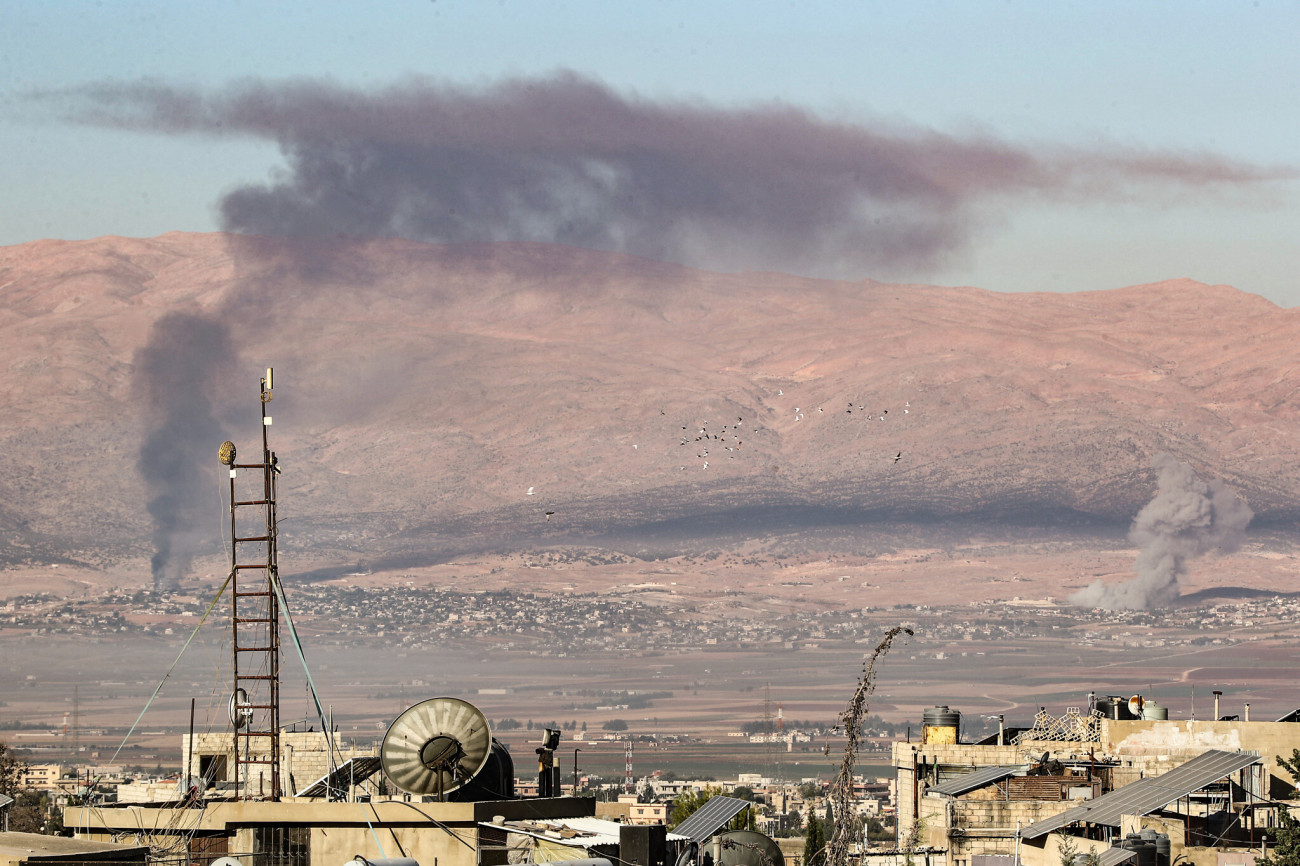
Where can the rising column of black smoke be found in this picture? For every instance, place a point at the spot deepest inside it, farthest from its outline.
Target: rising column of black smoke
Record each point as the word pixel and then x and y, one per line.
pixel 175 373
pixel 1187 518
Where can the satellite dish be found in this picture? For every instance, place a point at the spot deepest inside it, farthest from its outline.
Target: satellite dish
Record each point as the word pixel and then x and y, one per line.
pixel 227 861
pixel 1135 705
pixel 748 848
pixel 436 746
pixel 239 709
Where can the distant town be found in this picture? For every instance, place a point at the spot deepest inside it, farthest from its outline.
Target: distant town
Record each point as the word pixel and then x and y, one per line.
pixel 644 620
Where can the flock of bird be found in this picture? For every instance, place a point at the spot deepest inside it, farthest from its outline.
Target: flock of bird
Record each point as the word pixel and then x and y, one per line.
pixel 799 414
pixel 730 441
pixel 728 437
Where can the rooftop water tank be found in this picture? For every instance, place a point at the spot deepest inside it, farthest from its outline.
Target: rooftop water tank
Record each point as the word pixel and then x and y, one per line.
pixel 1152 710
pixel 1145 849
pixel 939 725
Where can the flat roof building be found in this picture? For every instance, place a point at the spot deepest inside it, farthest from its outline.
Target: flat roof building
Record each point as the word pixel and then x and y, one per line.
pixel 1211 786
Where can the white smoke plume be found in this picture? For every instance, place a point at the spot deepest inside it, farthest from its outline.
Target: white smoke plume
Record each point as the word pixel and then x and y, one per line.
pixel 1187 518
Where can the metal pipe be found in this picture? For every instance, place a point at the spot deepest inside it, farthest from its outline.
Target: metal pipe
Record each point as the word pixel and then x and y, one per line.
pixel 1217 695
pixel 916 792
pixel 189 755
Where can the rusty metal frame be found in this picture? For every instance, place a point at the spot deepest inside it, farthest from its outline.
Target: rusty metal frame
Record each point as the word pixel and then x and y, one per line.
pixel 255 627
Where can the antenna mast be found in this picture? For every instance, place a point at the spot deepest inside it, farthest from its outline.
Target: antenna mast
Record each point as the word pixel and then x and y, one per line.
pixel 255 618
pixel 629 781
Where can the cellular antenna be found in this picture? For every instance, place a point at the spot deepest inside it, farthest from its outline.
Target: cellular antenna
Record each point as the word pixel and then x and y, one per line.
pixel 255 616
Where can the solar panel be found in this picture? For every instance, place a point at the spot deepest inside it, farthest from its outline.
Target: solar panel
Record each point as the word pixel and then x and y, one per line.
pixel 1116 856
pixel 1147 795
pixel 355 771
pixel 974 781
pixel 575 832
pixel 710 818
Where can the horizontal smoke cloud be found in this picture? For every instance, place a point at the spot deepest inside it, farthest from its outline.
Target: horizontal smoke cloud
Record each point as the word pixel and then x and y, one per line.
pixel 564 159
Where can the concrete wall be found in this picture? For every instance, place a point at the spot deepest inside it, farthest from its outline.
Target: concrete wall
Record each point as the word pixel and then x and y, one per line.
pixel 954 758
pixel 304 757
pixel 1160 746
pixel 18 849
pixel 970 827
pixel 1174 828
pixel 980 823
pixel 445 833
pixel 1046 850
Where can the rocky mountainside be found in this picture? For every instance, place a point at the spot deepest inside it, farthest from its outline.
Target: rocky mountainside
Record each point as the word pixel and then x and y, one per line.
pixel 422 391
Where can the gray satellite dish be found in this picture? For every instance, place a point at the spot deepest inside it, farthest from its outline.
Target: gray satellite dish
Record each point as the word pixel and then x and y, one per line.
pixel 747 848
pixel 436 746
pixel 238 710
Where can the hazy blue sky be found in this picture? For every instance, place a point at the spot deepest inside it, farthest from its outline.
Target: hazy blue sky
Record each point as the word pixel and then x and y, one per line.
pixel 1212 83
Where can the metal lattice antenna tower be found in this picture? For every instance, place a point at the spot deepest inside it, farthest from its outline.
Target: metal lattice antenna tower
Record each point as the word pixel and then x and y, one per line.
pixel 255 617
pixel 629 781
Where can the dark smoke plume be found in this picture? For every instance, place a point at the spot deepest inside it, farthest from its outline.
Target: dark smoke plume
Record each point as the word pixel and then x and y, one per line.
pixel 175 374
pixel 1187 518
pixel 565 160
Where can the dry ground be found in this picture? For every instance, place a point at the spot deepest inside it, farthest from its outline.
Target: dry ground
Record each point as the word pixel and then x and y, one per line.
pixel 713 692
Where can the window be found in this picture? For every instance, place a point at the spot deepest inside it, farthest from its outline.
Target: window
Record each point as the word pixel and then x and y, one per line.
pixel 282 846
pixel 213 767
pixel 205 849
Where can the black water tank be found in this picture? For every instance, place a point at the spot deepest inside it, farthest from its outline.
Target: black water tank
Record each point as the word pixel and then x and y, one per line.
pixel 1146 851
pixel 1163 849
pixel 495 781
pixel 643 844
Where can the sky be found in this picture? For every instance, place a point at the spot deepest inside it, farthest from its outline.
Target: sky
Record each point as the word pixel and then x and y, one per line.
pixel 1014 146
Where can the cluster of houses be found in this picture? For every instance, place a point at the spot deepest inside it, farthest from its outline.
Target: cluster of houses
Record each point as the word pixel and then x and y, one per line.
pixel 1107 779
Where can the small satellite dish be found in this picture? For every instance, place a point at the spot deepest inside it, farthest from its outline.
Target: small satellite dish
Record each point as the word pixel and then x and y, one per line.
pixel 238 710
pixel 227 861
pixel 1135 705
pixel 436 746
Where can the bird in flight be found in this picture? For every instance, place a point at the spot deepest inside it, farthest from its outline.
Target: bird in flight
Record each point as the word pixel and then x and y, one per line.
pixel 530 491
pixel 898 456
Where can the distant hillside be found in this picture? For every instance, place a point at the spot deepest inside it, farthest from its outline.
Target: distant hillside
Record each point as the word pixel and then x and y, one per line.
pixel 422 390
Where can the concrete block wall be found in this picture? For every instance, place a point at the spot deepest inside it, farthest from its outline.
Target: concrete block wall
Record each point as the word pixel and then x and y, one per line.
pixel 303 755
pixel 1159 746
pixel 957 823
pixel 1142 748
